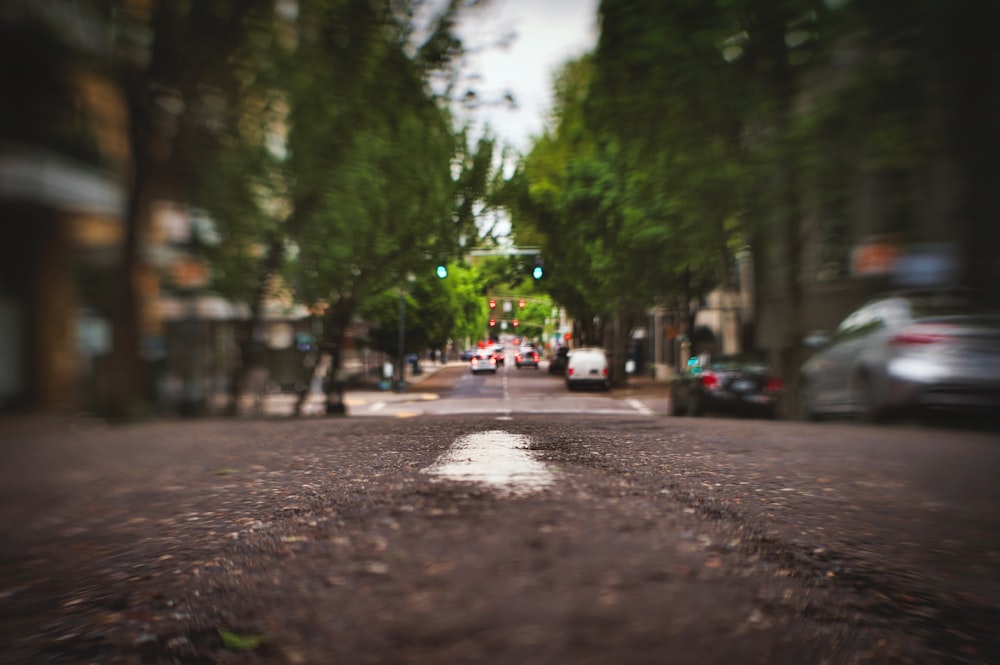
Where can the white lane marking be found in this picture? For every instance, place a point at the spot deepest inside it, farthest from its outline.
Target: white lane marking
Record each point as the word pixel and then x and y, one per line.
pixel 640 407
pixel 377 406
pixel 495 458
pixel 506 387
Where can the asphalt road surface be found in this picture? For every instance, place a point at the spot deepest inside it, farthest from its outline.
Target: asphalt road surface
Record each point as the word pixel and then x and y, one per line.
pixel 499 519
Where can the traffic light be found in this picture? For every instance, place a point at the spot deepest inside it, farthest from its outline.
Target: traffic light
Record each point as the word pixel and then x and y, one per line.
pixel 493 323
pixel 515 322
pixel 441 271
pixel 493 303
pixel 538 271
pixel 520 303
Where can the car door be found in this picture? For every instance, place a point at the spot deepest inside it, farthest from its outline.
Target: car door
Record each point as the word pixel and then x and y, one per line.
pixel 832 378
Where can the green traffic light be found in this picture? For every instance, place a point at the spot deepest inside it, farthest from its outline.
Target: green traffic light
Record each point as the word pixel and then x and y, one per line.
pixel 442 272
pixel 537 272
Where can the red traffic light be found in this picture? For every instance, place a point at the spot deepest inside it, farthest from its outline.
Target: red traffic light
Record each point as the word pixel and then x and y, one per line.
pixel 493 322
pixel 520 303
pixel 493 303
pixel 514 322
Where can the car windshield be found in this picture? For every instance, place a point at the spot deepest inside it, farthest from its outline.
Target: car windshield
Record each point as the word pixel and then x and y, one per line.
pixel 926 307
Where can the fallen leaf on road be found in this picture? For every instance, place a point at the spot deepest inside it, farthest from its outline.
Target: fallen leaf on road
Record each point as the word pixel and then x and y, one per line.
pixel 238 642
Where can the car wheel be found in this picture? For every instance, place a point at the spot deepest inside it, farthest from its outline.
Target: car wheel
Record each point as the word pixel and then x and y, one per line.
pixel 864 396
pixel 676 408
pixel 806 403
pixel 694 406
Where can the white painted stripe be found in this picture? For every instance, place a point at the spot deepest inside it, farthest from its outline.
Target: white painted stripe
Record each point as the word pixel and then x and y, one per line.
pixel 377 406
pixel 640 407
pixel 495 458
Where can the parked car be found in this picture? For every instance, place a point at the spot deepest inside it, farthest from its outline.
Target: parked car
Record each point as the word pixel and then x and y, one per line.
pixel 588 366
pixel 909 350
pixel 483 361
pixel 559 362
pixel 526 357
pixel 743 383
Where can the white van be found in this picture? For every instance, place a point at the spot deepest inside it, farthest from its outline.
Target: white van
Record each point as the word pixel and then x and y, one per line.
pixel 588 366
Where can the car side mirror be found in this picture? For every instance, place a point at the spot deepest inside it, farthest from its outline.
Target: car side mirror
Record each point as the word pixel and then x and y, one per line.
pixel 816 339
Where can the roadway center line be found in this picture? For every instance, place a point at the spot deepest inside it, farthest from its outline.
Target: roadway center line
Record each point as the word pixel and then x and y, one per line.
pixel 640 407
pixel 495 458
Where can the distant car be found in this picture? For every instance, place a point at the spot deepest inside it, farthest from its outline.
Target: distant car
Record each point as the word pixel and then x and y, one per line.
pixel 498 352
pixel 588 366
pixel 483 361
pixel 526 357
pixel 909 350
pixel 742 384
pixel 558 364
pixel 468 354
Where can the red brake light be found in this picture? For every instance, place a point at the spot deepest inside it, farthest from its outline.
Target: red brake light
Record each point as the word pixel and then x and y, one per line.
pixel 709 380
pixel 774 384
pixel 922 335
pixel 604 372
pixel 569 370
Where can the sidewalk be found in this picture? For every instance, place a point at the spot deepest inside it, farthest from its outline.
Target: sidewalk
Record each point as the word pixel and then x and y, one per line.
pixel 281 404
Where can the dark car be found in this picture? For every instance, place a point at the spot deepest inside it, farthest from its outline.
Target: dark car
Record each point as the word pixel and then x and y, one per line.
pixel 929 350
pixel 561 360
pixel 742 384
pixel 526 356
pixel 468 354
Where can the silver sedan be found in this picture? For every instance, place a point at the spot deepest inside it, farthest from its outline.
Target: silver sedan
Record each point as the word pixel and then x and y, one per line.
pixel 924 350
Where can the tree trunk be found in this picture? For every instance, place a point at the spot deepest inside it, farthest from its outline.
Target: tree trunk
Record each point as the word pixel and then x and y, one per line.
pixel 309 375
pixel 336 336
pixel 249 355
pixel 125 398
pixel 619 332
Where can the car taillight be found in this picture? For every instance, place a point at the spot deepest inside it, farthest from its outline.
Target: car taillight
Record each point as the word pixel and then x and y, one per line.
pixel 569 371
pixel 922 336
pixel 709 380
pixel 534 356
pixel 774 384
pixel 493 361
pixel 604 372
pixel 475 361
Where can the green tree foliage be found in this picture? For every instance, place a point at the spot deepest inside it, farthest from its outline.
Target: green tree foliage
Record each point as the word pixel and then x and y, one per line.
pixel 341 172
pixel 430 306
pixel 698 128
pixel 167 55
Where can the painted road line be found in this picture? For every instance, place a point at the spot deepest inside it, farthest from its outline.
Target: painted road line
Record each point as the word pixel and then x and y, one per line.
pixel 494 458
pixel 377 406
pixel 640 407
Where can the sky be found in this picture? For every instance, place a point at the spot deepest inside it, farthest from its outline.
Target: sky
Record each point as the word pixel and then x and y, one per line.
pixel 547 33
